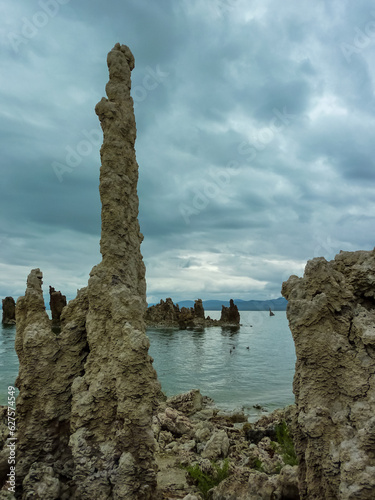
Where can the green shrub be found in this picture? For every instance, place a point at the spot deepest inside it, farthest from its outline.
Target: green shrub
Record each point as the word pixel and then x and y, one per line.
pixel 205 481
pixel 258 465
pixel 286 444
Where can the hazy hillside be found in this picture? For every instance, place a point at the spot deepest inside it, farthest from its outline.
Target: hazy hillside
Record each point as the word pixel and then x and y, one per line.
pixel 243 305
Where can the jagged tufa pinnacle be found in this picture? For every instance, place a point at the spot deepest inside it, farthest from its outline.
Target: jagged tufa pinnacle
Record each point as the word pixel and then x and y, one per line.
pixel 87 394
pixel 331 312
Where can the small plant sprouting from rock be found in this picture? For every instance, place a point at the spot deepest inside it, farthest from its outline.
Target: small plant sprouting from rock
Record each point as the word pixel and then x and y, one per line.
pixel 206 481
pixel 285 441
pixel 258 465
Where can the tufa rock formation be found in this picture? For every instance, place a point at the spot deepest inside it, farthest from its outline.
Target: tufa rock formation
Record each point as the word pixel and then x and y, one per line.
pixel 198 309
pixel 43 406
pixel 85 407
pixel 57 302
pixel 9 311
pixel 169 314
pixel 230 314
pixel 331 314
pixel 271 313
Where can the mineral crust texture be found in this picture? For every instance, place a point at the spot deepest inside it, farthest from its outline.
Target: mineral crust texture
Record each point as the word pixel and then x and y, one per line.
pixel 87 393
pixel 331 312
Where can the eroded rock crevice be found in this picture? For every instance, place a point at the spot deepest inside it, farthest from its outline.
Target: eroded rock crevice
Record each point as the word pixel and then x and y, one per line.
pixel 331 314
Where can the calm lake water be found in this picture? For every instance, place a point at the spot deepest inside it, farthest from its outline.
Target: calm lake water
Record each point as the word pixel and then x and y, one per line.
pixel 259 370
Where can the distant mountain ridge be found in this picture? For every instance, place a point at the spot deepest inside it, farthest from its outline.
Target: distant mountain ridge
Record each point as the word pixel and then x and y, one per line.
pixel 243 305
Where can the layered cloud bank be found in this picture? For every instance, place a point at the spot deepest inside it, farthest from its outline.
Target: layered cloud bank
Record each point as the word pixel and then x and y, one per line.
pixel 254 136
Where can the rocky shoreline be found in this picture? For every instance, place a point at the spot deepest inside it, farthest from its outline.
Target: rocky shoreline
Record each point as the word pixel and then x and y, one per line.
pixel 193 435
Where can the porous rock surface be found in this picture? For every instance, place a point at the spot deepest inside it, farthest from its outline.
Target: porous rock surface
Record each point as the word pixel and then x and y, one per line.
pixel 208 438
pixel 47 366
pixel 87 394
pixel 57 302
pixel 9 311
pixel 331 312
pixel 230 314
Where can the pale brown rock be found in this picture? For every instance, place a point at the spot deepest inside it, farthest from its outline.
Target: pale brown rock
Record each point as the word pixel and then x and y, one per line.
pixel 87 394
pixel 9 311
pixel 57 302
pixel 188 402
pixel 287 484
pixel 163 313
pixel 230 314
pixel 113 401
pixel 236 487
pixel 174 422
pixel 217 446
pixel 48 364
pixel 254 485
pixel 331 312
pixel 4 435
pixel 215 434
pixel 41 480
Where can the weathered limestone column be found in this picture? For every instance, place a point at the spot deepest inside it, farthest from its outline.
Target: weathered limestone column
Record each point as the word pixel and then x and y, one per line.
pixel 331 312
pixel 112 442
pixel 57 302
pixel 87 393
pixel 47 365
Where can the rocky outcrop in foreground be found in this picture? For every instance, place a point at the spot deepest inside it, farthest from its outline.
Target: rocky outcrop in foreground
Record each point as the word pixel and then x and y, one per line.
pixel 87 395
pixel 190 433
pixel 193 435
pixel 9 311
pixel 331 314
pixel 57 302
pixel 169 314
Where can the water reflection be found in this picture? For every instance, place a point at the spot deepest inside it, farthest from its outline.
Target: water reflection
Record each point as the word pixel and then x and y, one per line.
pixel 236 366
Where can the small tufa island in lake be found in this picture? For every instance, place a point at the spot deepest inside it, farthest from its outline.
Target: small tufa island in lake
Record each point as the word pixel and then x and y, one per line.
pixel 168 314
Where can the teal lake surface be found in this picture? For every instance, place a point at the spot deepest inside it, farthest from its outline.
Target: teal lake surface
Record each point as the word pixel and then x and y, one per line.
pixel 202 359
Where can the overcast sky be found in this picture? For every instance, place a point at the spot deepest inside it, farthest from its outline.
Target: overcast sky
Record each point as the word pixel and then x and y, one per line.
pixel 255 140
